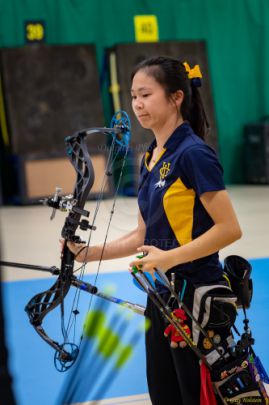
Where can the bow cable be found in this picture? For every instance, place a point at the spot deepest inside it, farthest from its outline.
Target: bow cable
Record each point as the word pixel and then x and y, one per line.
pixel 116 146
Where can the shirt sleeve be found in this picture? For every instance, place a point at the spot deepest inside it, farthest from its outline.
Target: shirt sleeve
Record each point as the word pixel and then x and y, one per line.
pixel 202 170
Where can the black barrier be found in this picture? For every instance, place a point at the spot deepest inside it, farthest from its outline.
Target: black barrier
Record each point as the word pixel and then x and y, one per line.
pixel 256 153
pixel 1 192
pixel 50 92
pixel 6 389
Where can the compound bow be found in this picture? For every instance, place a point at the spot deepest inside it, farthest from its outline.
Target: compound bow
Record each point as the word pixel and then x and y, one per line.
pixel 41 304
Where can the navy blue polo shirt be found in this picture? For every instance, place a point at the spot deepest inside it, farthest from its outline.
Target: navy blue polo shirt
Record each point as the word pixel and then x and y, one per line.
pixel 169 198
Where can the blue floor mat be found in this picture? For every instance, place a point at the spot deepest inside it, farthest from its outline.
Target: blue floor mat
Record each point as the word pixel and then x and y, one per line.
pixel 32 360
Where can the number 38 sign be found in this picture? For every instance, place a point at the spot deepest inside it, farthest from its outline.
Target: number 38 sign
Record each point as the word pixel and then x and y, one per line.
pixel 34 31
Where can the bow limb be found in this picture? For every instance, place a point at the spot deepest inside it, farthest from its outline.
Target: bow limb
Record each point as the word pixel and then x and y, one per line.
pixel 79 157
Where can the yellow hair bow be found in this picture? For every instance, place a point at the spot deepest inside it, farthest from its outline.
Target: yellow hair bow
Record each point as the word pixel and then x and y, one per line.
pixel 193 73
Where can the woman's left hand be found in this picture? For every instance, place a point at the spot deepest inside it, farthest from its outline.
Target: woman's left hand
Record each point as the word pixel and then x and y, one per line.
pixel 154 258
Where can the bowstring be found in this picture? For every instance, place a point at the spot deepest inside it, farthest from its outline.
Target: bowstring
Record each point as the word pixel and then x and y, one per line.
pixel 82 268
pixel 110 162
pixel 110 219
pixel 71 324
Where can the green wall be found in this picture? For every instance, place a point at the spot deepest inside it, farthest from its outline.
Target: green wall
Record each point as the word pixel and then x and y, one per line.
pixel 236 31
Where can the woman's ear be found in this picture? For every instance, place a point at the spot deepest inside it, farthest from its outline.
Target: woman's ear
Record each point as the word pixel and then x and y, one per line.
pixel 178 98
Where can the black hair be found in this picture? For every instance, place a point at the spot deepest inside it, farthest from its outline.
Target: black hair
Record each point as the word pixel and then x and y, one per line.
pixel 171 74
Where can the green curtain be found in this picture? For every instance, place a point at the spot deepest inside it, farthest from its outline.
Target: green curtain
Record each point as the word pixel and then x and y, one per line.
pixel 236 33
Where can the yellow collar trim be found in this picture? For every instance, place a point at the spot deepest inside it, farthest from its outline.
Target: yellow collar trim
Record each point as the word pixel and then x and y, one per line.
pixel 156 161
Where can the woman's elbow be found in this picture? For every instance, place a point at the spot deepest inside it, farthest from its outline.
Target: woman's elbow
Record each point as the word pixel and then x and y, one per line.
pixel 231 232
pixel 236 233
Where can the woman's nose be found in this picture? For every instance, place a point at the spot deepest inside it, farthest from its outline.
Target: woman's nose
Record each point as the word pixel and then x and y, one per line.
pixel 138 104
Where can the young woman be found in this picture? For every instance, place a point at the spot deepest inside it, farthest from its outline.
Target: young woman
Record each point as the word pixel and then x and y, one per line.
pixel 185 214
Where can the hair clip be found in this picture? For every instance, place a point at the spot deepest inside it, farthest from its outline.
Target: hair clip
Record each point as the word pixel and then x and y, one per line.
pixel 194 74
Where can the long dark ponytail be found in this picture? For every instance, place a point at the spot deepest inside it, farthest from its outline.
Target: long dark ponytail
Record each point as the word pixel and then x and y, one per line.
pixel 172 75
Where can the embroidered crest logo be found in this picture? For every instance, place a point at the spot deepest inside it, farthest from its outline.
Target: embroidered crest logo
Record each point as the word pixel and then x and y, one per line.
pixel 164 170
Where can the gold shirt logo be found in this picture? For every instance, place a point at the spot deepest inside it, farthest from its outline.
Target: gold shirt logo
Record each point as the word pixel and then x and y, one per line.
pixel 164 170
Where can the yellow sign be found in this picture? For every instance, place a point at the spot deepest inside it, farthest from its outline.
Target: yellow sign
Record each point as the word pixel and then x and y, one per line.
pixel 34 31
pixel 146 28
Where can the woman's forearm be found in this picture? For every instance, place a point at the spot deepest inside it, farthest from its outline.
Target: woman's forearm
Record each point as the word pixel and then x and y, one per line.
pixel 121 247
pixel 216 238
pixel 225 231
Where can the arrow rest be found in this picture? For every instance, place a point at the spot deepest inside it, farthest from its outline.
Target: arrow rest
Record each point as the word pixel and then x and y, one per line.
pixel 62 203
pixel 68 203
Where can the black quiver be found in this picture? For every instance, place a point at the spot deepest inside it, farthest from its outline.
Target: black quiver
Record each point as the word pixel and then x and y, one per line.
pixel 241 377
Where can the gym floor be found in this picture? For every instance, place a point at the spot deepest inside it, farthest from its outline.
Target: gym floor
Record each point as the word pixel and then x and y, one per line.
pixel 28 236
